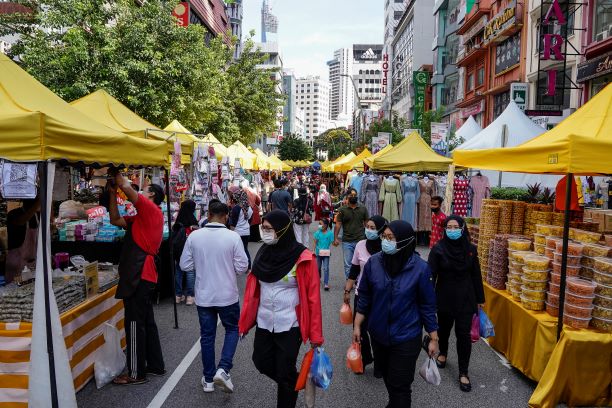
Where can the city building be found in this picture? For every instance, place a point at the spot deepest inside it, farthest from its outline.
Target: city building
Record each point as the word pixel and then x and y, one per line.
pixel 368 75
pixel 445 77
pixel 269 24
pixel 293 116
pixel 312 95
pixel 342 91
pixel 394 10
pixel 411 48
pixel 211 15
pixel 234 13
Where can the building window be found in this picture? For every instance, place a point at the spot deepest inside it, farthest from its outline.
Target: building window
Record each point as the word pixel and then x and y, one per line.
pixel 603 20
pixel 397 14
pixel 470 82
pixel 480 77
pixel 500 101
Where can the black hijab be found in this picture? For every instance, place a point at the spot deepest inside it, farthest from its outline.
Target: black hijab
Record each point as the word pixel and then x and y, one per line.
pixel 185 215
pixel 406 239
pixel 456 253
pixel 374 245
pixel 274 262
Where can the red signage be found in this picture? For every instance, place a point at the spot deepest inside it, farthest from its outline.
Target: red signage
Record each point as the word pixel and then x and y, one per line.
pixel 473 109
pixel 181 13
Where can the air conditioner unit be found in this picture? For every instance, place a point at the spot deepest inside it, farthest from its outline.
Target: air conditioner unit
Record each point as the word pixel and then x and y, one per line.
pixel 603 35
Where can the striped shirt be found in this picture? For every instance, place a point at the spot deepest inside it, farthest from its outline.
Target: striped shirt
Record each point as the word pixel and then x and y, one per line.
pixel 277 304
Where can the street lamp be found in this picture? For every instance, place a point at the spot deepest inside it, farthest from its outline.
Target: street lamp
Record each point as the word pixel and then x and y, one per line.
pixel 358 109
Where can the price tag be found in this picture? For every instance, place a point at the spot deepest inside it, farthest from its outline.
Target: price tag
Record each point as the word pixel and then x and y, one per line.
pixel 96 212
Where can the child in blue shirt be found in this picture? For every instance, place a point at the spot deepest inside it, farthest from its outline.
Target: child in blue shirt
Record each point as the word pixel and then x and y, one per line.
pixel 323 239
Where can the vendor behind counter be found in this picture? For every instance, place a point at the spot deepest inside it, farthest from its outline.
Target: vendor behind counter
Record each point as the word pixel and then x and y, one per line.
pixel 22 232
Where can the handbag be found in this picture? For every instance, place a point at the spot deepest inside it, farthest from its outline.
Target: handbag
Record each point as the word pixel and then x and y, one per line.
pixel 325 252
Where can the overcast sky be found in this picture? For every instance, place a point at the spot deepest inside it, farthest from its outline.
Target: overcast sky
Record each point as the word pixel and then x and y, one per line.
pixel 310 30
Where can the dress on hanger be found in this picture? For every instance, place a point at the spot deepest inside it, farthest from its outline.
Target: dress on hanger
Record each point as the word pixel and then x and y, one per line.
pixel 440 189
pixel 460 197
pixel 356 182
pixel 411 194
pixel 426 189
pixel 391 195
pixel 481 189
pixel 369 194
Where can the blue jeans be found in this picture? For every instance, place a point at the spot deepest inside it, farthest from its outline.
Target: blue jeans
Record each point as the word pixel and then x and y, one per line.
pixel 348 249
pixel 178 284
pixel 208 331
pixel 323 264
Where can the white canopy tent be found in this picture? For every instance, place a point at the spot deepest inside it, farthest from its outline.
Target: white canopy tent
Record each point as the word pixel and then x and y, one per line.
pixel 511 128
pixel 469 129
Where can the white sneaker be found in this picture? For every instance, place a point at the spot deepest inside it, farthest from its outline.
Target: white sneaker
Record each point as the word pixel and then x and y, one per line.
pixel 190 300
pixel 208 387
pixel 223 380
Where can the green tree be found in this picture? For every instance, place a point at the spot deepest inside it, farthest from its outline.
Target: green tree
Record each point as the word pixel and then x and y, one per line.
pixel 396 126
pixel 335 142
pixel 294 148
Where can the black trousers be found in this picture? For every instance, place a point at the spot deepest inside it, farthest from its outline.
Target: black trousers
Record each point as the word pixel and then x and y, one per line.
pixel 245 243
pixel 397 363
pixel 463 325
pixel 275 355
pixel 366 347
pixel 144 351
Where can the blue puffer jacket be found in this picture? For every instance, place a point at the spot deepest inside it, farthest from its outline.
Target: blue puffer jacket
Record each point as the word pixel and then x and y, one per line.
pixel 398 308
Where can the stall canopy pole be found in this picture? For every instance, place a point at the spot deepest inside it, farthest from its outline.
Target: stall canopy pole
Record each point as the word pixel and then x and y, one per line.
pixel 170 245
pixel 566 224
pixel 44 222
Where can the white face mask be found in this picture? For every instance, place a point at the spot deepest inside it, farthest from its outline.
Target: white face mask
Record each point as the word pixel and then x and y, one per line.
pixel 268 237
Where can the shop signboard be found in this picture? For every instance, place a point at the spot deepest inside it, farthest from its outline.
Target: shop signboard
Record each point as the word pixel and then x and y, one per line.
pixel 380 142
pixel 507 54
pixel 181 13
pixel 439 137
pixel 595 67
pixel 503 20
pixel 420 79
pixel 271 141
pixel 519 94
pixel 385 71
pixel 475 29
pixel 473 109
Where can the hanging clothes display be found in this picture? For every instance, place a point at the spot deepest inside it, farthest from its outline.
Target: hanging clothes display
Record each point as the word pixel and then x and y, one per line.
pixel 391 195
pixel 410 194
pixel 356 183
pixel 426 189
pixel 481 189
pixel 368 194
pixel 440 186
pixel 460 196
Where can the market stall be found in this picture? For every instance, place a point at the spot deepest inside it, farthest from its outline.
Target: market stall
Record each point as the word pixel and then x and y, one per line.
pixel 240 152
pixel 368 160
pixel 355 163
pixel 469 129
pixel 335 166
pixel 578 368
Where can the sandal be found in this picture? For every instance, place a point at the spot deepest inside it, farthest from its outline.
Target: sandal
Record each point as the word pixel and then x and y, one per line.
pixel 441 364
pixel 127 380
pixel 465 387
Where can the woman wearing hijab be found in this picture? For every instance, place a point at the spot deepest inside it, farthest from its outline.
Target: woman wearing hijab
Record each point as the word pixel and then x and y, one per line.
pixel 282 298
pixel 240 218
pixel 302 216
pixel 363 251
pixel 458 282
pixel 397 297
pixel 324 201
pixel 184 224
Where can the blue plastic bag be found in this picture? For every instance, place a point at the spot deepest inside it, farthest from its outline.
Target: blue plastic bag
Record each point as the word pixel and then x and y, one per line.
pixel 486 326
pixel 321 369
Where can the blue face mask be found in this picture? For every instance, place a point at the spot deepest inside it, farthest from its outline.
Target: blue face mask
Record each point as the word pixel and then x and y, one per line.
pixel 453 234
pixel 390 247
pixel 371 234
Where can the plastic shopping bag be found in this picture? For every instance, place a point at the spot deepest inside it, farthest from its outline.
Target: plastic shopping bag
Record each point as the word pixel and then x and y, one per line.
pixel 475 332
pixel 429 372
pixel 486 325
pixel 310 393
pixel 304 371
pixel 321 368
pixel 346 315
pixel 353 358
pixel 110 360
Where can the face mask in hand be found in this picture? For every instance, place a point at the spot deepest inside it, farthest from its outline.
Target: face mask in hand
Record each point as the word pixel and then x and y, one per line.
pixel 453 234
pixel 371 234
pixel 390 247
pixel 268 237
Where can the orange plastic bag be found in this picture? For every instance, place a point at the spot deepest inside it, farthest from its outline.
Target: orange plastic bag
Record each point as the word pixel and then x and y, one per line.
pixel 353 358
pixel 304 370
pixel 346 314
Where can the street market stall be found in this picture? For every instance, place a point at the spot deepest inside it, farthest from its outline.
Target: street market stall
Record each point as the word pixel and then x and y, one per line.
pixel 240 152
pixel 355 163
pixel 575 369
pixel 369 160
pixel 469 129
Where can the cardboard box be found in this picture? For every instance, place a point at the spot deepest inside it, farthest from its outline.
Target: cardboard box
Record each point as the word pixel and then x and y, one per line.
pixel 598 217
pixel 608 222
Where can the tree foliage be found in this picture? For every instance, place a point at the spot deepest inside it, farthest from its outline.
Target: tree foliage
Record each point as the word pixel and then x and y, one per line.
pixel 294 148
pixel 437 116
pixel 335 142
pixel 144 59
pixel 395 126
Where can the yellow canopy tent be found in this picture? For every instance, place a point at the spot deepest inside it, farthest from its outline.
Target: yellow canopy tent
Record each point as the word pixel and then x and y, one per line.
pixel 338 163
pixel 278 164
pixel 220 149
pixel 328 167
pixel 411 154
pixel 188 139
pixel 368 161
pixel 239 151
pixel 263 161
pixel 355 163
pixel 36 125
pixel 580 145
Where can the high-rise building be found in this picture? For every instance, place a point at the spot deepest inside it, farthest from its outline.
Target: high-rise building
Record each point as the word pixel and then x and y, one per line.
pixel 293 116
pixel 342 93
pixel 368 75
pixel 269 23
pixel 394 10
pixel 234 12
pixel 211 15
pixel 312 95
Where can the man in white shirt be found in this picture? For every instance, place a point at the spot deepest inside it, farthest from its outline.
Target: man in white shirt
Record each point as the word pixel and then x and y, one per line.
pixel 217 256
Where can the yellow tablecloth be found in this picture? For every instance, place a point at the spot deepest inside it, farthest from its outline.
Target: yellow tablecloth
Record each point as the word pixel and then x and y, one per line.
pixel 82 329
pixel 577 370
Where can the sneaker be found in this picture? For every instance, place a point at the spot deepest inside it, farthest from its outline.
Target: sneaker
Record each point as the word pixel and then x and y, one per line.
pixel 207 387
pixel 179 299
pixel 190 300
pixel 223 380
pixel 326 287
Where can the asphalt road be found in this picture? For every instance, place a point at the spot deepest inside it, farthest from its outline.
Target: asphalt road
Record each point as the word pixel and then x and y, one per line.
pixel 495 384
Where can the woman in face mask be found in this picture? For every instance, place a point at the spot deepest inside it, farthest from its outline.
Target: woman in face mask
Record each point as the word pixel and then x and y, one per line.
pixel 458 282
pixel 282 298
pixel 397 297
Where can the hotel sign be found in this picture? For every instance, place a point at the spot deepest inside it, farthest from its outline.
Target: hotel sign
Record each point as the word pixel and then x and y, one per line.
pixel 503 20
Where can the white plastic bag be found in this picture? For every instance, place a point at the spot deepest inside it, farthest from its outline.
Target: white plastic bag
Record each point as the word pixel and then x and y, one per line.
pixel 110 360
pixel 310 393
pixel 72 210
pixel 429 372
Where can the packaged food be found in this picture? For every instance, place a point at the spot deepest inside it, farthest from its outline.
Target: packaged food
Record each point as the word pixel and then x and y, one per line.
pixel 555 277
pixel 596 250
pixel 602 264
pixel 602 312
pixel 537 275
pixel 551 242
pixel 535 284
pixel 581 287
pixel 586 273
pixel 602 278
pixel 571 270
pixel 537 262
pixel 556 231
pixel 603 289
pixel 578 300
pixel 539 249
pixel 544 229
pixel 549 253
pixel 554 288
pixel 516 295
pixel 573 248
pixel 576 322
pixel 552 299
pixel 539 239
pixel 552 310
pixel 608 239
pixel 586 236
pixel 578 311
pixel 531 304
pixel 603 301
pixel 531 294
pixel 519 244
pixel 571 260
pixel 519 256
pixel 604 325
